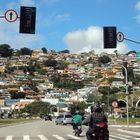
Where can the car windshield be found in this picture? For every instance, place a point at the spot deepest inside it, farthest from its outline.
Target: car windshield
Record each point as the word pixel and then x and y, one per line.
pixel 68 116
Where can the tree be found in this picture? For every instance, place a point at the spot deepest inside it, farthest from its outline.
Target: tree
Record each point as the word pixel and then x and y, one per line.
pixel 44 50
pixel 65 51
pixel 17 95
pixel 81 106
pixel 104 59
pixel 5 50
pixel 50 63
pixel 62 65
pixel 25 51
pixel 37 108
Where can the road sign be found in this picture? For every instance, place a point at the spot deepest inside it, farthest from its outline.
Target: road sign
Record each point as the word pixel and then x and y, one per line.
pixel 115 104
pixel 11 15
pixel 27 20
pixel 120 36
pixel 109 37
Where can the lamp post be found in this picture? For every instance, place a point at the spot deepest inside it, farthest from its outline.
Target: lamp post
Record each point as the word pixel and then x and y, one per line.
pixel 126 89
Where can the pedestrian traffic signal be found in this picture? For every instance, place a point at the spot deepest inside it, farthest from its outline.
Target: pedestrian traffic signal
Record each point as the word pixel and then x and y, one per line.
pixel 27 20
pixel 109 34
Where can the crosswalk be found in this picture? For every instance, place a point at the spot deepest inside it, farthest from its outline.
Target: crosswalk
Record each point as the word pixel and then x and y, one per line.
pixel 119 135
pixel 72 137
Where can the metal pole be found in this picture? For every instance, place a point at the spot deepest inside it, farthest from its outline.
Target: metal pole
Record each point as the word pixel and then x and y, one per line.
pixel 126 84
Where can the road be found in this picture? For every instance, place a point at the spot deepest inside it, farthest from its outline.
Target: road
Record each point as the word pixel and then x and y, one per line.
pixel 47 130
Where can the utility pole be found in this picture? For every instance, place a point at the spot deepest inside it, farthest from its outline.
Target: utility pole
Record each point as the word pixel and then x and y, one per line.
pixel 126 89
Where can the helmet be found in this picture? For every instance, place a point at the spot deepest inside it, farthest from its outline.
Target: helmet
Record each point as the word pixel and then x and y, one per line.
pixel 96 108
pixel 77 112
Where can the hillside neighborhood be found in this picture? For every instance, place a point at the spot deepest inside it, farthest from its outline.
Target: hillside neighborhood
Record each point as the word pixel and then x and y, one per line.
pixel 64 78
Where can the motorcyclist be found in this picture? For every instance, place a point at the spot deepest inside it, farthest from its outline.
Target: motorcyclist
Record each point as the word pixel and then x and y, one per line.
pixel 93 119
pixel 77 120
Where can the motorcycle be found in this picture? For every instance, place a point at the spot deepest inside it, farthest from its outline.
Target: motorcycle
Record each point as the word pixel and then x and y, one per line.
pixel 78 130
pixel 101 132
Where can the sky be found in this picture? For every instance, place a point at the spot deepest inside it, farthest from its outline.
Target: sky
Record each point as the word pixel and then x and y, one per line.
pixel 76 25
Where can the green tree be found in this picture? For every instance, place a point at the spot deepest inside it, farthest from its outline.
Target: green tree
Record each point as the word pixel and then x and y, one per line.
pixel 37 108
pixel 50 63
pixel 25 51
pixel 5 50
pixel 81 106
pixel 17 95
pixel 62 65
pixel 104 59
pixel 44 50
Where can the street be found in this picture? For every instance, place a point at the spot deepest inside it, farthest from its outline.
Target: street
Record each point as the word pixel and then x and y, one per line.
pixel 47 130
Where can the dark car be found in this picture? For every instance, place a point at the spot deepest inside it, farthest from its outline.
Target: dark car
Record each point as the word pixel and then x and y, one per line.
pixel 48 117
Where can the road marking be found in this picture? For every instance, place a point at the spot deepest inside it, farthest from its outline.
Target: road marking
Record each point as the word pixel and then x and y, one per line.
pixel 74 137
pixel 26 137
pixel 58 137
pixel 111 138
pixel 9 138
pixel 42 137
pixel 125 136
pixel 129 132
pixel 118 137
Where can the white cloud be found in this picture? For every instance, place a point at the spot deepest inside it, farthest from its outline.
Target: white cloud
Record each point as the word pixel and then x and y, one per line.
pixel 137 6
pixel 90 39
pixel 50 2
pixel 27 2
pixel 138 18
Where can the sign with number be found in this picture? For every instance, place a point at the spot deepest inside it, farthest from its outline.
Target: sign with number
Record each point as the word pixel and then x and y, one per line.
pixel 120 36
pixel 11 15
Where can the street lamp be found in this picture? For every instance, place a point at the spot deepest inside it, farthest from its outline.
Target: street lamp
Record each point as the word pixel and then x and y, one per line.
pixel 126 87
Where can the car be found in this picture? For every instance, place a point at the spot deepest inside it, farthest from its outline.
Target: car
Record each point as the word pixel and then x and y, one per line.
pixel 64 119
pixel 48 117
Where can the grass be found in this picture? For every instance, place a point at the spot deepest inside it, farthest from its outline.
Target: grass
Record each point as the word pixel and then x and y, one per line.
pixel 123 121
pixel 13 121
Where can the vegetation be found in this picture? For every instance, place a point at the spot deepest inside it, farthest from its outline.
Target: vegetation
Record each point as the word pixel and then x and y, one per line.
pixel 5 50
pixel 37 108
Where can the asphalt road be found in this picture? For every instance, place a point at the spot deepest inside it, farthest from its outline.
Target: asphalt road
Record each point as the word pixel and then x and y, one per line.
pixel 47 130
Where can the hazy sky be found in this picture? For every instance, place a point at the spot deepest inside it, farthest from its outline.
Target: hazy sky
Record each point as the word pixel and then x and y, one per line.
pixel 76 25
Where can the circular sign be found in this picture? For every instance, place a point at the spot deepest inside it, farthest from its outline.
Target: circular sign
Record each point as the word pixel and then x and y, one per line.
pixel 11 15
pixel 120 36
pixel 115 104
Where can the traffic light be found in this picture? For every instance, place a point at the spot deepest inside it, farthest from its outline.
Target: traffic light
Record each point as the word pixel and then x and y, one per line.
pixel 130 89
pixel 109 35
pixel 27 19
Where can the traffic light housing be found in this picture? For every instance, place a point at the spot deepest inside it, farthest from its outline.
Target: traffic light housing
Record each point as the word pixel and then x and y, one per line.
pixel 130 89
pixel 109 35
pixel 27 20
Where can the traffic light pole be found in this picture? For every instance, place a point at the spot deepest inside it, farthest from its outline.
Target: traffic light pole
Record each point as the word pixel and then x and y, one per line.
pixel 132 40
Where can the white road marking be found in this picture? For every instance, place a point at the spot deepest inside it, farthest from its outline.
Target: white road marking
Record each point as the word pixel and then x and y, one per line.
pixel 74 137
pixel 42 137
pixel 26 137
pixel 58 137
pixel 126 136
pixel 114 136
pixel 129 132
pixel 111 139
pixel 9 138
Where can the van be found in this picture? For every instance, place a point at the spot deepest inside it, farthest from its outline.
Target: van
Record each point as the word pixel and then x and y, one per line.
pixel 64 119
